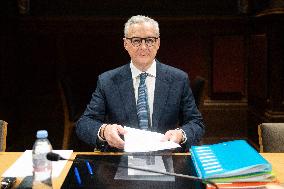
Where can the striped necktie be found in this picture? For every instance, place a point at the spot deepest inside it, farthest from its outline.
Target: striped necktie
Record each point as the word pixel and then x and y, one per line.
pixel 142 103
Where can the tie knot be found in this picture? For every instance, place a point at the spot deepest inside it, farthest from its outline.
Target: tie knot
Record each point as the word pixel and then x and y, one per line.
pixel 143 77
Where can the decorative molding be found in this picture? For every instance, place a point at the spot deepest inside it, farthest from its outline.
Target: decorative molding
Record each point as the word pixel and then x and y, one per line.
pixel 274 115
pixel 228 103
pixel 269 12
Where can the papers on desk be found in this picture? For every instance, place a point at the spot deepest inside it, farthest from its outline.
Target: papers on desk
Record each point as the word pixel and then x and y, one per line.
pixel 150 162
pixel 137 140
pixel 23 166
pixel 147 162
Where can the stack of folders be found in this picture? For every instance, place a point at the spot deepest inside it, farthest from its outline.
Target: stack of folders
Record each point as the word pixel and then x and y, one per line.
pixel 233 164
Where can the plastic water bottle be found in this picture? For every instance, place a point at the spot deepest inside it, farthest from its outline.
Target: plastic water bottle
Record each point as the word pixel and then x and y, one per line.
pixel 42 168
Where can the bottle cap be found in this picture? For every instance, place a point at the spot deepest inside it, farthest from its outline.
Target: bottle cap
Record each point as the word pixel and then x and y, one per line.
pixel 42 134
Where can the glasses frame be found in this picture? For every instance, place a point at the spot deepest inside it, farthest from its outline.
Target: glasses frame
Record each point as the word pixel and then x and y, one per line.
pixel 141 41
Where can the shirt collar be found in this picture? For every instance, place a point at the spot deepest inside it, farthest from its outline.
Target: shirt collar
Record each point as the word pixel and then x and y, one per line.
pixel 136 72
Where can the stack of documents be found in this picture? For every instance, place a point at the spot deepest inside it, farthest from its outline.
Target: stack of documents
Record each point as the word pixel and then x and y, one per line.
pixel 137 140
pixel 231 162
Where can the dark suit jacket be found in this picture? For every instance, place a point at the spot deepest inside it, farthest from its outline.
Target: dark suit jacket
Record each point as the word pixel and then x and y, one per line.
pixel 114 102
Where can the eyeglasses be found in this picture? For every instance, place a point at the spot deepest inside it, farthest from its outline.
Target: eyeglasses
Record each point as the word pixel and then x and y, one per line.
pixel 137 41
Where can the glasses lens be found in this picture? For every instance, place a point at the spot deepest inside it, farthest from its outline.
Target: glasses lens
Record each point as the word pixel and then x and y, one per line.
pixel 136 41
pixel 150 41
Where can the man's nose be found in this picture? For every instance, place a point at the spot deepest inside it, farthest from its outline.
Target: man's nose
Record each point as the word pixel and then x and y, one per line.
pixel 143 43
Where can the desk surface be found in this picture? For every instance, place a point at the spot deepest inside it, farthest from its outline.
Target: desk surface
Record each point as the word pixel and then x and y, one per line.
pixel 8 158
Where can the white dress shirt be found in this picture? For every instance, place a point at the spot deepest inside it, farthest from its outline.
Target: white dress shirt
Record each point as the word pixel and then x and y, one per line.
pixel 150 84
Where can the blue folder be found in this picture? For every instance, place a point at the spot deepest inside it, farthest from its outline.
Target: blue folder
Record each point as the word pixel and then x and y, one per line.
pixel 228 159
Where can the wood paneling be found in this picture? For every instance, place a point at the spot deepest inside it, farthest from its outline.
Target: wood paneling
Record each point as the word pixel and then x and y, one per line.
pixel 258 73
pixel 186 52
pixel 228 69
pixel 130 7
pixel 266 70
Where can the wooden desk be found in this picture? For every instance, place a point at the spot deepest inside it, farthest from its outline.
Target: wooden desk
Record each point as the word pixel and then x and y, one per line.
pixel 277 161
pixel 8 158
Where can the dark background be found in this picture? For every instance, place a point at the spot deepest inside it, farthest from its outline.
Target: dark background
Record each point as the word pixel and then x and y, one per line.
pixel 236 45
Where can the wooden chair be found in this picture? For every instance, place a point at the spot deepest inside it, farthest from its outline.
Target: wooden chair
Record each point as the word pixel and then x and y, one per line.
pixel 74 101
pixel 3 135
pixel 271 137
pixel 68 122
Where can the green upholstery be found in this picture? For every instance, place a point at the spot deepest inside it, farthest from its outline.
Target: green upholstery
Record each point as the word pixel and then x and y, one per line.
pixel 271 137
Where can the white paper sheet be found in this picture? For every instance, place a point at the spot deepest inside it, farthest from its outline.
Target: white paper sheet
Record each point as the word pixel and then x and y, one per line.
pixel 157 164
pixel 137 140
pixel 23 166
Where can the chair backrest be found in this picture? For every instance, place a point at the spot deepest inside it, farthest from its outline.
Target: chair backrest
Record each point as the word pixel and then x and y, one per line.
pixel 74 98
pixel 271 137
pixel 3 135
pixel 197 88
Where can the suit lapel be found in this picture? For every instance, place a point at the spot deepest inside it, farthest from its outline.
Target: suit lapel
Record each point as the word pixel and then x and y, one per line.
pixel 162 87
pixel 127 95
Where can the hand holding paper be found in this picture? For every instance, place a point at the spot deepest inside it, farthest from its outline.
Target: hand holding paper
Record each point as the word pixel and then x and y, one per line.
pixel 137 140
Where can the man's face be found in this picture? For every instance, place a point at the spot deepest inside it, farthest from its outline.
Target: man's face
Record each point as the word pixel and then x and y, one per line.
pixel 142 51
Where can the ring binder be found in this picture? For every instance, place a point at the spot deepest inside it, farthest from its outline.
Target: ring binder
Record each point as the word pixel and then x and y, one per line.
pixel 230 160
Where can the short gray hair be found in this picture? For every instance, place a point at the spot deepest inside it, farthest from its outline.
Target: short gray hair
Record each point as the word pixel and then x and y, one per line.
pixel 139 19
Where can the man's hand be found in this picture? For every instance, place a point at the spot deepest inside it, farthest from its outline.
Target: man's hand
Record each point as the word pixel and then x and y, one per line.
pixel 173 135
pixel 111 134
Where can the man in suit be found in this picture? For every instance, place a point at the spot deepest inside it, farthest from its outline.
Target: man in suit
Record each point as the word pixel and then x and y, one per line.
pixel 163 103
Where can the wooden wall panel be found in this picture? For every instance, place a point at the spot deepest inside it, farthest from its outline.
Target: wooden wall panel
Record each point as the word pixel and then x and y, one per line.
pixel 258 78
pixel 186 52
pixel 228 69
pixel 130 7
pixel 276 65
pixel 37 102
pixel 266 70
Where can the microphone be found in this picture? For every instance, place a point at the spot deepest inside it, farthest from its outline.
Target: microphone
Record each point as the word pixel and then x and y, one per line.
pixel 51 156
pixel 55 157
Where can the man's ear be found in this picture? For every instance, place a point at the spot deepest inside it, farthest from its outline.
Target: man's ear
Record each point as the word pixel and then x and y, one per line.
pixel 125 43
pixel 158 43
